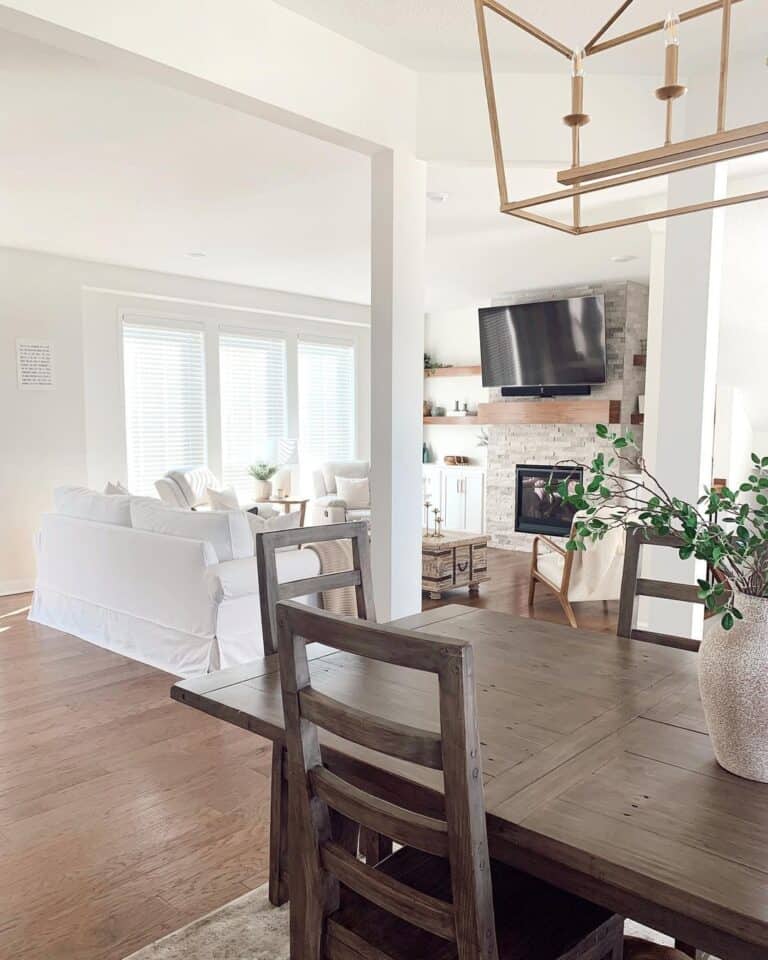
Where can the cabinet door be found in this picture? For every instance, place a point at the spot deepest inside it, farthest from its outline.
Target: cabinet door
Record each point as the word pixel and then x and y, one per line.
pixel 474 487
pixel 454 511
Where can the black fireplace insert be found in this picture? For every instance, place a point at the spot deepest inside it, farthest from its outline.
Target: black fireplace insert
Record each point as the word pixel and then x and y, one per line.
pixel 539 511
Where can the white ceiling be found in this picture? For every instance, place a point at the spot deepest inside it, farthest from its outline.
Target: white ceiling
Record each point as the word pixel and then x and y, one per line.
pixel 431 35
pixel 102 166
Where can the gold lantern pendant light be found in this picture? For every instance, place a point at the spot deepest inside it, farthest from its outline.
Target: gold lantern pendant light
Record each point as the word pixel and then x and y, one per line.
pixel 672 157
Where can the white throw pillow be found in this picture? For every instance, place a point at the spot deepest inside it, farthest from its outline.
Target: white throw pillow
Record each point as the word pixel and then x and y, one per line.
pixel 116 489
pixel 228 531
pixel 85 504
pixel 356 493
pixel 340 468
pixel 222 499
pixel 283 521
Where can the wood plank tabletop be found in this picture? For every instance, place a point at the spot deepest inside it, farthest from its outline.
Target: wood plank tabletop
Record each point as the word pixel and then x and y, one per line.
pixel 599 774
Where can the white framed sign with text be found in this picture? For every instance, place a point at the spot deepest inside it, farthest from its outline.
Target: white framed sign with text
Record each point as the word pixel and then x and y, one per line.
pixel 34 364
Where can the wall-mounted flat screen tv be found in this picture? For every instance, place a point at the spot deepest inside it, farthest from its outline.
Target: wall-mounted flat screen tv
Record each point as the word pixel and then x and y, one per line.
pixel 555 343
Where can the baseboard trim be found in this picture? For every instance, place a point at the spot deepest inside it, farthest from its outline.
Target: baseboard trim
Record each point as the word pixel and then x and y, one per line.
pixel 9 587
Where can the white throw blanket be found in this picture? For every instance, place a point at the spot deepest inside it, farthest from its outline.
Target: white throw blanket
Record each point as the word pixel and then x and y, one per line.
pixel 596 571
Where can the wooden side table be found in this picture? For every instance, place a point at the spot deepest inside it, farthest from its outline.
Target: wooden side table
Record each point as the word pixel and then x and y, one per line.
pixel 287 503
pixel 453 560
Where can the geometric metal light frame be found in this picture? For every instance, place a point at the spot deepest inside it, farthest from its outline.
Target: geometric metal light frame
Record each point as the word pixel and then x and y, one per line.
pixel 580 179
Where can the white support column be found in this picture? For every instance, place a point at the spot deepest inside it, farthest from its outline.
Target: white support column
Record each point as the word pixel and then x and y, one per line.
pixel 398 188
pixel 682 402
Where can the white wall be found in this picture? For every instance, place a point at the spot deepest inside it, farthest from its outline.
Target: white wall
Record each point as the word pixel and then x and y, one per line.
pixel 734 437
pixel 74 434
pixel 744 314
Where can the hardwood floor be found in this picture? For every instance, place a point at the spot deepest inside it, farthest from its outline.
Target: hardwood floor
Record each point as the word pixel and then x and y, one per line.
pixel 124 816
pixel 507 591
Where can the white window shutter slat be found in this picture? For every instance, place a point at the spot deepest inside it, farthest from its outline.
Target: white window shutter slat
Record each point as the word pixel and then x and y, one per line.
pixel 253 405
pixel 164 376
pixel 326 401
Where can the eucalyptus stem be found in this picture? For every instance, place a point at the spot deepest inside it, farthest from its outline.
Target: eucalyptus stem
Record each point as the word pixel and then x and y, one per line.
pixel 730 534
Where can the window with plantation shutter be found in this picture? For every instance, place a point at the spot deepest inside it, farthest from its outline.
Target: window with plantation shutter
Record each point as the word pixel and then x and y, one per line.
pixel 326 400
pixel 253 414
pixel 165 423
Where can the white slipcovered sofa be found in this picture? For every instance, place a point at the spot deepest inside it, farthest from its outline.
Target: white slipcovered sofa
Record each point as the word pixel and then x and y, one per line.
pixel 172 588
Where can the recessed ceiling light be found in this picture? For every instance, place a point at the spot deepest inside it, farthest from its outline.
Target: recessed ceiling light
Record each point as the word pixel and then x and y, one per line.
pixel 197 254
pixel 436 197
pixel 623 257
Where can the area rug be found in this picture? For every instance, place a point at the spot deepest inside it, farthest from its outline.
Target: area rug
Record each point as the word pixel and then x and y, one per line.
pixel 250 928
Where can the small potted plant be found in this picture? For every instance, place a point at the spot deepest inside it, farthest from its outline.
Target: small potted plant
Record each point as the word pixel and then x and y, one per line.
pixel 262 473
pixel 727 529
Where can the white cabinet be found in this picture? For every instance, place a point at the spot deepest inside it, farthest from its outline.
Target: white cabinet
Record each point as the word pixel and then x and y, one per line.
pixel 474 497
pixel 460 494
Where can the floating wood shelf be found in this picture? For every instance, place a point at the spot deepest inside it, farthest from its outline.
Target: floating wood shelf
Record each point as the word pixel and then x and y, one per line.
pixel 453 371
pixel 551 411
pixel 638 360
pixel 454 421
pixel 638 419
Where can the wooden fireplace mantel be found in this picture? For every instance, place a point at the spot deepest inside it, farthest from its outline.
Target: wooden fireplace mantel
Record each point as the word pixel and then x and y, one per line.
pixel 550 410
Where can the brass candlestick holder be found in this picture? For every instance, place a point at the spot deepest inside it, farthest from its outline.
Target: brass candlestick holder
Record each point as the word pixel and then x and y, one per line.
pixel 427 505
pixel 438 522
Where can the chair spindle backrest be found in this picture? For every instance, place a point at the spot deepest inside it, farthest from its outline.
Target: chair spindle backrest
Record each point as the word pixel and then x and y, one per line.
pixel 271 591
pixel 315 791
pixel 634 586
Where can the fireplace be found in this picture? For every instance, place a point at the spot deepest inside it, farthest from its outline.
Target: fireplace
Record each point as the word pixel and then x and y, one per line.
pixel 538 511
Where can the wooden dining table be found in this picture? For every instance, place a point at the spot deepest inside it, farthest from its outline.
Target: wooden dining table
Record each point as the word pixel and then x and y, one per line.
pixel 599 774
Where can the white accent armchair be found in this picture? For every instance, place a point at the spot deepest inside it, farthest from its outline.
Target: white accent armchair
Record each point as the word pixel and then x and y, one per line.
pixel 328 507
pixel 593 574
pixel 186 488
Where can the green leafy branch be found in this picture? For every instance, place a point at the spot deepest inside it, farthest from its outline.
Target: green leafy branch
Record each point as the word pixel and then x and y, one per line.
pixel 728 529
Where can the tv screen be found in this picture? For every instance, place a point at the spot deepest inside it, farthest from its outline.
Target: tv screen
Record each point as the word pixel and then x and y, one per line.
pixel 556 343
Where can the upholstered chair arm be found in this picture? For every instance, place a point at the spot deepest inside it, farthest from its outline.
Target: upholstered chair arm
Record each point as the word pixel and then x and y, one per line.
pixel 567 556
pixel 331 500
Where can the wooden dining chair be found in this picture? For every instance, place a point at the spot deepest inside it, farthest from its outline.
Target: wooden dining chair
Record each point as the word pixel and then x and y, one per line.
pixel 434 897
pixel 271 591
pixel 634 586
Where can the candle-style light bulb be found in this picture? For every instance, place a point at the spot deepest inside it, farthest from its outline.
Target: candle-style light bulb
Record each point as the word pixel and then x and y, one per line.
pixel 671 30
pixel 577 62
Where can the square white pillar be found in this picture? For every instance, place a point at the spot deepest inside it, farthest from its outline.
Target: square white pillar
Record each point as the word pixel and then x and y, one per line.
pixel 398 227
pixel 683 356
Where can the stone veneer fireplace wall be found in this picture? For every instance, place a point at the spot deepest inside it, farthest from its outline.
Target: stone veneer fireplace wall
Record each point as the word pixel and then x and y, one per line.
pixel 626 308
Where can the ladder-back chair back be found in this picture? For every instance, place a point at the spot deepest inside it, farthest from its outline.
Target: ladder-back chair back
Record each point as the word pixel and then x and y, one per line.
pixel 271 591
pixel 318 857
pixel 634 586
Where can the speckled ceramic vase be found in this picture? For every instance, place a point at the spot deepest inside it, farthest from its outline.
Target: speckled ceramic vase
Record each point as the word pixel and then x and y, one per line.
pixel 733 677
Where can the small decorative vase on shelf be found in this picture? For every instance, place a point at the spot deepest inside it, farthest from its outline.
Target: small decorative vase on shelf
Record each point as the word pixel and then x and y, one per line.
pixel 262 489
pixel 733 678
